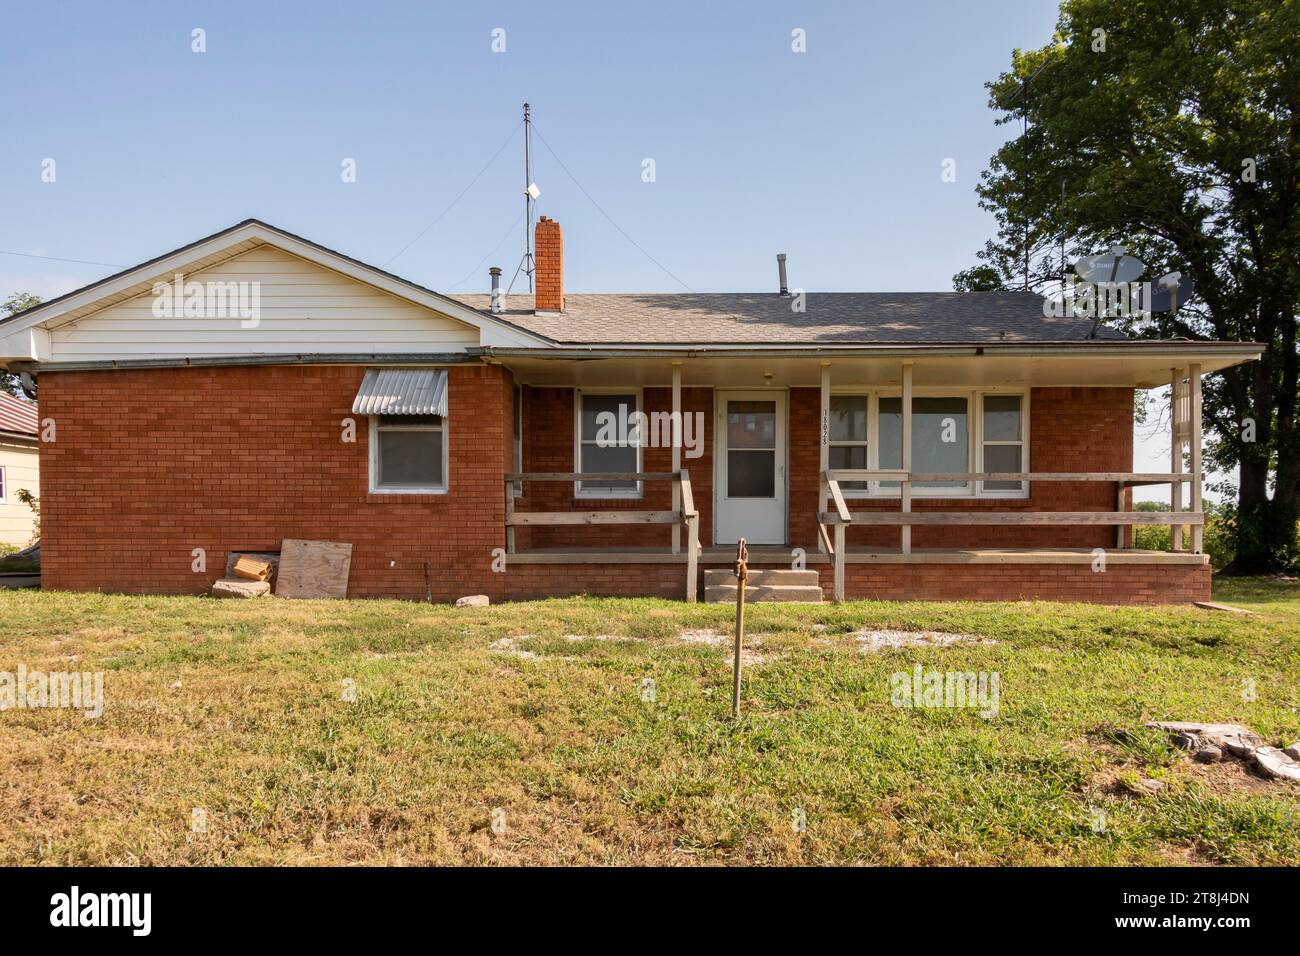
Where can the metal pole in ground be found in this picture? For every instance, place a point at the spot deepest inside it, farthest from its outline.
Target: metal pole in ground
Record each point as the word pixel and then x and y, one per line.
pixel 742 574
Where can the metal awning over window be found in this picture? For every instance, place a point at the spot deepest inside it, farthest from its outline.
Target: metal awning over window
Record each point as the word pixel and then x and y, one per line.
pixel 402 391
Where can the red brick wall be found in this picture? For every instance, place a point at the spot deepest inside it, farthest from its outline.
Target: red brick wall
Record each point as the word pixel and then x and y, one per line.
pixel 1120 584
pixel 549 446
pixel 150 464
pixel 1070 429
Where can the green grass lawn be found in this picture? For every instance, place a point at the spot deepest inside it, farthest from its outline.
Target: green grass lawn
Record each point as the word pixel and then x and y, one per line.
pixel 537 711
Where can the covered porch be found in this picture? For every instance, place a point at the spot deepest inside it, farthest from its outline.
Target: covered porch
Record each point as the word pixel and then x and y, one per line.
pixel 1060 416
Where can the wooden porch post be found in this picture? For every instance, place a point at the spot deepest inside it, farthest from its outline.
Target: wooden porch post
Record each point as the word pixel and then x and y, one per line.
pixel 1175 457
pixel 839 561
pixel 683 481
pixel 906 487
pixel 677 452
pixel 1119 506
pixel 1194 432
pixel 510 510
pixel 824 452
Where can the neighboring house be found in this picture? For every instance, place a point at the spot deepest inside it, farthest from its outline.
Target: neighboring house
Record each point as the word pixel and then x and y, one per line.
pixel 19 469
pixel 913 445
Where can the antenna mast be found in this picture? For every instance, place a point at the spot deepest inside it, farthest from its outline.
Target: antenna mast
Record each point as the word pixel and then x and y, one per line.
pixel 531 192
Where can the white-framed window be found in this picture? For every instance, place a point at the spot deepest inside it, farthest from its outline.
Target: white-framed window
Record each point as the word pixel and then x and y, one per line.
pixel 1003 426
pixel 607 439
pixel 849 431
pixel 408 454
pixel 953 430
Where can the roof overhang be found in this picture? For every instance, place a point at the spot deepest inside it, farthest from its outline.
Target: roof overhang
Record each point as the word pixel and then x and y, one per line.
pixel 25 335
pixel 1128 364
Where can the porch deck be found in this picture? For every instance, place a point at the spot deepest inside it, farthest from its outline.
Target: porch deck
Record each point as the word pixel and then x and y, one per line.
pixel 769 555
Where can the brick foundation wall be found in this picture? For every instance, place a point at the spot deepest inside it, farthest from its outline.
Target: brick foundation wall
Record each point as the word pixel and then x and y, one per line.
pixel 1126 584
pixel 1120 584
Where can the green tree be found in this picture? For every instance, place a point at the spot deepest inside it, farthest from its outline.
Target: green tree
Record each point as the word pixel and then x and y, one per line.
pixel 1173 127
pixel 18 302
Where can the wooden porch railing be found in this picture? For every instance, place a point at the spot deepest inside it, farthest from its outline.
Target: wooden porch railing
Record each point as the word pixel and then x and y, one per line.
pixel 905 518
pixel 687 516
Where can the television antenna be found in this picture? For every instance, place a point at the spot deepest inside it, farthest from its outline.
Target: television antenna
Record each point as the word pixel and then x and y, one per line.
pixel 527 265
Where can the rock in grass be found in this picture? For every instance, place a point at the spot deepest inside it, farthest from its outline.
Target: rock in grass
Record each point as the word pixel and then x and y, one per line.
pixel 1277 764
pixel 1293 751
pixel 1155 786
pixel 1209 754
pixel 1234 738
pixel 473 600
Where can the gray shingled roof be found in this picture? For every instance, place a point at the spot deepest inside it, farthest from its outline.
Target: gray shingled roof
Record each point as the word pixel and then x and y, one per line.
pixel 842 318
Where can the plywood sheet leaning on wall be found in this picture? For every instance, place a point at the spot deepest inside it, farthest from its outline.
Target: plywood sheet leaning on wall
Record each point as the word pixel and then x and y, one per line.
pixel 313 569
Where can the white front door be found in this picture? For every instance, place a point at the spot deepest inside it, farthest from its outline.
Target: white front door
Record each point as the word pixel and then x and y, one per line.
pixel 749 467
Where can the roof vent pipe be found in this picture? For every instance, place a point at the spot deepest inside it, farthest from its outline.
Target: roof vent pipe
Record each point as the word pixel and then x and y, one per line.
pixel 495 273
pixel 780 267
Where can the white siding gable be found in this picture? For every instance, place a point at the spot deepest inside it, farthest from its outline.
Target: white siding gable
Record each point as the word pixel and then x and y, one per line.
pixel 305 309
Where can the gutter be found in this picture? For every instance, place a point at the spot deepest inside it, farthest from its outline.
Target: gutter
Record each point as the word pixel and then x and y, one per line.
pixel 1094 349
pixel 1244 351
pixel 468 357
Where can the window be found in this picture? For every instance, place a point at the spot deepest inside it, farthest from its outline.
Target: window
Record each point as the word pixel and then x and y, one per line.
pixel 4 486
pixel 959 433
pixel 1003 445
pixel 751 449
pixel 608 440
pixel 408 453
pixel 848 436
pixel 940 439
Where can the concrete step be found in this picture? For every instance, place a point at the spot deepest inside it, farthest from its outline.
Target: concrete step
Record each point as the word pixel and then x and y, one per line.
pixel 726 593
pixel 763 577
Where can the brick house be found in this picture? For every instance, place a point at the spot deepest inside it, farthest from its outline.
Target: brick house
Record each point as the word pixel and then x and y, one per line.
pixel 254 386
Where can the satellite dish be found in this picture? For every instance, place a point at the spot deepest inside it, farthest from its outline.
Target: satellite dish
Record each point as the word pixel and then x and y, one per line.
pixel 1113 266
pixel 1167 292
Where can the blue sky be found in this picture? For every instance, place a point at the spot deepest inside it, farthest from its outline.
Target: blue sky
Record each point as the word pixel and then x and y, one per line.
pixel 833 155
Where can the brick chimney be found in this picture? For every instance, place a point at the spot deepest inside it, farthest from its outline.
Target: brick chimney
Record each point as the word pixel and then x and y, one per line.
pixel 548 248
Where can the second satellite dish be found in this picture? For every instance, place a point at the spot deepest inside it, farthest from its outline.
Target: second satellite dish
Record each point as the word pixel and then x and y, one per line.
pixel 1167 292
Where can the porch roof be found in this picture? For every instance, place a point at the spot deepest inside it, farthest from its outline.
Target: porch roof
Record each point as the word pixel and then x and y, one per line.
pixel 1115 363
